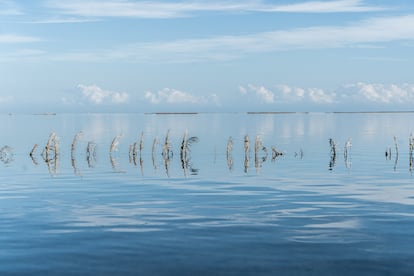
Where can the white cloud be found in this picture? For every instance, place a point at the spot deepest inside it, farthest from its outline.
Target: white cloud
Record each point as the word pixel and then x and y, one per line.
pixel 380 93
pixel 361 94
pixel 12 38
pixel 357 93
pixel 173 96
pixel 318 95
pixel 264 94
pixel 325 7
pixel 354 96
pixel 9 8
pixel 158 9
pixel 97 95
pixel 61 20
pixel 291 93
pixel 168 95
pixel 22 54
pixel 374 31
pixel 287 94
pixel 118 97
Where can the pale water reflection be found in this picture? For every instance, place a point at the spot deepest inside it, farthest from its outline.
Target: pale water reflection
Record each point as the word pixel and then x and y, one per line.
pixel 293 194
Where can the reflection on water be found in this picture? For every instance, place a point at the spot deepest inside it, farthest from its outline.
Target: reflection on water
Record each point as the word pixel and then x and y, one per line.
pixel 411 142
pixel 92 143
pixel 347 154
pixel 6 154
pixel 91 154
pixel 167 153
pixel 33 156
pixel 154 145
pixel 249 194
pixel 185 154
pixel 332 160
pixel 229 156
pixel 51 154
pixel 293 134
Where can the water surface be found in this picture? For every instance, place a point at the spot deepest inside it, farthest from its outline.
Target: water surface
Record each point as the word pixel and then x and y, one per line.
pixel 302 213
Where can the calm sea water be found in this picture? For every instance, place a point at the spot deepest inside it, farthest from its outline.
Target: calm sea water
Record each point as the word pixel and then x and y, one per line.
pixel 306 212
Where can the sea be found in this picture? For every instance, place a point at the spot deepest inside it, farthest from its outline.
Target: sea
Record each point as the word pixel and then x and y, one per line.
pixel 207 194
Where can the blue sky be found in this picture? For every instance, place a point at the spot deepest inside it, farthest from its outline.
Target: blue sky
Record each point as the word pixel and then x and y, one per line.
pixel 251 55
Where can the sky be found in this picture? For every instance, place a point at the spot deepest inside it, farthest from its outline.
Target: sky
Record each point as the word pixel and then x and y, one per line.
pixel 206 56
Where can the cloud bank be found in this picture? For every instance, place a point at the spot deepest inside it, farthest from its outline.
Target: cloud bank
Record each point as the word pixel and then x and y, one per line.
pixel 287 94
pixel 174 96
pixel 262 93
pixel 361 94
pixel 369 94
pixel 96 95
pixel 379 93
pixel 168 95
pixel 94 98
